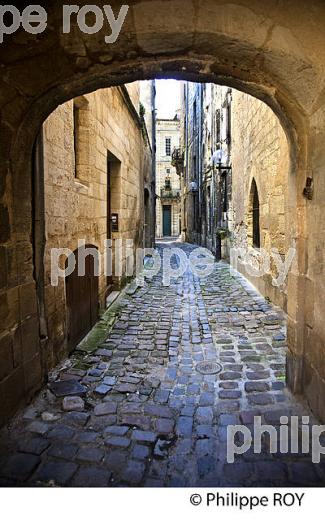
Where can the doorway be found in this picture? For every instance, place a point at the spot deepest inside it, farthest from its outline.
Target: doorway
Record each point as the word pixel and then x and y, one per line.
pixel 167 221
pixel 113 205
pixel 82 300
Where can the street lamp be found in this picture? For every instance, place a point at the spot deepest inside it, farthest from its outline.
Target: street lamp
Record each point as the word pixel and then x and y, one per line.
pixel 193 186
pixel 218 158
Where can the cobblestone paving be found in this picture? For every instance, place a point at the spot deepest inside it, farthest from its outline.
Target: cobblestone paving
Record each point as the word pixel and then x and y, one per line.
pixel 130 407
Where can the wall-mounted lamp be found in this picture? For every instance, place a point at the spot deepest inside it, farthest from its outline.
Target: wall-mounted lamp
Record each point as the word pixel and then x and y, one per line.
pixel 193 186
pixel 219 158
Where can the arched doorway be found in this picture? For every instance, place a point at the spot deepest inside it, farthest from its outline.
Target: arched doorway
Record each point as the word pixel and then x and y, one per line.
pixel 254 234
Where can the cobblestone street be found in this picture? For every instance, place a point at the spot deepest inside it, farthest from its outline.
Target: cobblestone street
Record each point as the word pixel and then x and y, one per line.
pixel 131 407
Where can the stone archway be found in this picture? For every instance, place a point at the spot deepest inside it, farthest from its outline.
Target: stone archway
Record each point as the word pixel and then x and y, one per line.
pixel 269 51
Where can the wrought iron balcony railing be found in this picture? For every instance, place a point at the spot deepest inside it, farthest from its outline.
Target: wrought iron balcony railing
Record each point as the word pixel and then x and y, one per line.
pixel 170 193
pixel 178 160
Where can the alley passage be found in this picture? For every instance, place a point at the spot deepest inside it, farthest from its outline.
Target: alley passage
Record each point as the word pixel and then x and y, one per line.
pixel 132 406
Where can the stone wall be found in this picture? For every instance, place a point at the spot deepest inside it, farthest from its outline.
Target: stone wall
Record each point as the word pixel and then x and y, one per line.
pixel 76 189
pixel 259 151
pixel 75 208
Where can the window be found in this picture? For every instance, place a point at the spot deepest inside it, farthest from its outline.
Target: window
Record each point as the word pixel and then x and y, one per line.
pixel 167 184
pixel 168 146
pixel 218 126
pixel 81 139
pixel 228 127
pixel 76 137
pixel 224 192
pixel 167 171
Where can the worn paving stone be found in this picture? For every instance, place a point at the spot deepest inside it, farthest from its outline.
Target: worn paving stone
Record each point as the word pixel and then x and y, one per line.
pixel 88 454
pixel 61 432
pixel 125 388
pixel 229 394
pixel 38 427
pixel 164 426
pixel 63 451
pixel 256 386
pixel 76 418
pixel 158 411
pixel 65 388
pixel 73 403
pixel 117 430
pixel 184 426
pixel 261 399
pixel 103 389
pixel 36 445
pixel 19 466
pixel 144 436
pixel 116 460
pixel 225 376
pixel 139 421
pixel 204 415
pixel 105 409
pixel 55 472
pixel 133 472
pixel 140 452
pixel 91 476
pixel 86 437
pixel 119 442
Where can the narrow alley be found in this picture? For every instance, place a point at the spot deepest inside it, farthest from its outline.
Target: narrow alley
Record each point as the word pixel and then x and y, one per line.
pixel 147 397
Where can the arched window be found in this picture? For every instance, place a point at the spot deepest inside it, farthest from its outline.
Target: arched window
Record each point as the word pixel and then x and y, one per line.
pixel 254 216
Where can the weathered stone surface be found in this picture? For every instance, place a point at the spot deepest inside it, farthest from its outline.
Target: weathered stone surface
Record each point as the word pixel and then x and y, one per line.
pixel 94 455
pixel 91 477
pixel 76 418
pixel 105 408
pixel 66 388
pixel 56 472
pixel 70 404
pixel 133 472
pixel 140 421
pixel 19 466
pixel 144 436
pixel 164 426
pixel 102 389
pixel 120 442
pixel 63 451
pixel 257 387
pixel 36 445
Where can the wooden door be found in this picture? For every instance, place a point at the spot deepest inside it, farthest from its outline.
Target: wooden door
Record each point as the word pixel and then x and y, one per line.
pixel 82 301
pixel 167 221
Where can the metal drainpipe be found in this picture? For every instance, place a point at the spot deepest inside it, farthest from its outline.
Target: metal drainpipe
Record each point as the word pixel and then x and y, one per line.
pixel 186 168
pixel 153 189
pixel 200 140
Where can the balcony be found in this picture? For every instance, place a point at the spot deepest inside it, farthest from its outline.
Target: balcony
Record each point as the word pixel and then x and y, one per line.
pixel 178 160
pixel 171 194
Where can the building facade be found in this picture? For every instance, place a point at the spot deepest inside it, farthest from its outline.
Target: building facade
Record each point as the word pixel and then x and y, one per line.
pixel 168 208
pixel 97 156
pixel 234 169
